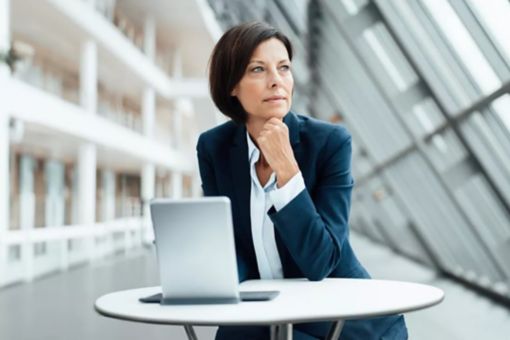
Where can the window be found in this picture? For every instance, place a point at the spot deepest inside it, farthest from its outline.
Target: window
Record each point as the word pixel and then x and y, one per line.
pixel 463 44
pixel 501 107
pixel 389 56
pixel 494 15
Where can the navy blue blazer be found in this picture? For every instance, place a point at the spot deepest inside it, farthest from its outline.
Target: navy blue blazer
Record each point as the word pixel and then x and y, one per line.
pixel 311 231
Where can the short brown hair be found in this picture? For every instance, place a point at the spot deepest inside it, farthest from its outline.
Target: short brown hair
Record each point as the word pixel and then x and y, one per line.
pixel 229 60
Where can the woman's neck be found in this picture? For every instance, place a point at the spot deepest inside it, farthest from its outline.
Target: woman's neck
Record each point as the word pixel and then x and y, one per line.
pixel 254 127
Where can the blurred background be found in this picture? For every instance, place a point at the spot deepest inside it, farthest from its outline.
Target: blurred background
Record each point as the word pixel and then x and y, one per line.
pixel 102 101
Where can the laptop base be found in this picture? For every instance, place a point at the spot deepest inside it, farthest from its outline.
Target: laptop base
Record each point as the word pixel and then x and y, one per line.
pixel 244 296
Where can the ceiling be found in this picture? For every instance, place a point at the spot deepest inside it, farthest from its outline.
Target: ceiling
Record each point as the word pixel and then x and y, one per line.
pixel 179 25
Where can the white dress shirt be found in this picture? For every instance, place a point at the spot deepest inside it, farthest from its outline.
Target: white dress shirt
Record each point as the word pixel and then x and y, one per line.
pixel 261 200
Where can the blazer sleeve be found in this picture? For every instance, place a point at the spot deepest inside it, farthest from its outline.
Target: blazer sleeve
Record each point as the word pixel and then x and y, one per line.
pixel 314 229
pixel 209 186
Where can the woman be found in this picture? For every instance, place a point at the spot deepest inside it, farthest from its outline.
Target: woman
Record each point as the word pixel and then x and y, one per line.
pixel 288 178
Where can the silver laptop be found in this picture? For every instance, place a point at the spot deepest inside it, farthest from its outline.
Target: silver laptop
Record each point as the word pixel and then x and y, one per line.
pixel 196 250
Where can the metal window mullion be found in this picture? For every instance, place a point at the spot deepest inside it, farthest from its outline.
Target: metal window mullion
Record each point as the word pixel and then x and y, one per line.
pixel 482 39
pixel 500 131
pixel 414 94
pixel 492 151
pixel 464 114
pixel 377 65
pixel 377 101
pixel 431 222
pixel 360 123
pixel 337 8
pixel 283 7
pixel 421 230
pixel 449 54
pixel 365 18
pixel 443 87
pixel 358 119
pixel 355 128
pixel 381 213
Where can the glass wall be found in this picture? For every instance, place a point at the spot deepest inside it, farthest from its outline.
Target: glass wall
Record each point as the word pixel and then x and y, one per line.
pixel 423 86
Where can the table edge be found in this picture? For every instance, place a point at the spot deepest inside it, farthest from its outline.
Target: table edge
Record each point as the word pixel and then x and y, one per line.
pixel 323 318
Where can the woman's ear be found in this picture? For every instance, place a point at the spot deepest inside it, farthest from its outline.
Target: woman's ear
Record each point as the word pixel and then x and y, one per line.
pixel 233 93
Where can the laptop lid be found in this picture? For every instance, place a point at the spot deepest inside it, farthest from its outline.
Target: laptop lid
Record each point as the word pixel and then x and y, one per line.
pixel 196 250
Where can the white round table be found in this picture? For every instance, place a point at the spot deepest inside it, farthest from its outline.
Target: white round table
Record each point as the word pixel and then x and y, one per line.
pixel 299 301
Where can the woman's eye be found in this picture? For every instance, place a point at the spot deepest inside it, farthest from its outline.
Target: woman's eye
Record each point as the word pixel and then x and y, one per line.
pixel 258 69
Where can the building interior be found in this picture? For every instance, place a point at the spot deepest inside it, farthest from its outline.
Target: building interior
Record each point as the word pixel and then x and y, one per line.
pixel 102 103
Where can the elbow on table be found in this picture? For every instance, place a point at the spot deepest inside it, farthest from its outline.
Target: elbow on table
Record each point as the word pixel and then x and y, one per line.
pixel 317 254
pixel 316 276
pixel 322 269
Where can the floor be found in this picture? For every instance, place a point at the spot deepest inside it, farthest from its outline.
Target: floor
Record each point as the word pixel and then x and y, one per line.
pixel 60 306
pixel 463 315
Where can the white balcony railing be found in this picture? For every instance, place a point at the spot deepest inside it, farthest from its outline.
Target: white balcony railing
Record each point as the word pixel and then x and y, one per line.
pixel 39 251
pixel 47 110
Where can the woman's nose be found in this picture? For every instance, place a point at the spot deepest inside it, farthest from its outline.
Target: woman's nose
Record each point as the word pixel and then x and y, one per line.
pixel 275 79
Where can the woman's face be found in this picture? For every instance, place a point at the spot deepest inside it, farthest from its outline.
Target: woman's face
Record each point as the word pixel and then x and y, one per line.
pixel 265 90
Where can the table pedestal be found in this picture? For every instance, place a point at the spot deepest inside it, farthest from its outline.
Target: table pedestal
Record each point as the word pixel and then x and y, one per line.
pixel 281 332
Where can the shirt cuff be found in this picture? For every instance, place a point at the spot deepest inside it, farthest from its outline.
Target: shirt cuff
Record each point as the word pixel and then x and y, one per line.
pixel 282 196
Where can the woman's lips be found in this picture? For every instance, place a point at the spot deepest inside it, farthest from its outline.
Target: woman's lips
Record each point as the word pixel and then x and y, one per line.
pixel 274 100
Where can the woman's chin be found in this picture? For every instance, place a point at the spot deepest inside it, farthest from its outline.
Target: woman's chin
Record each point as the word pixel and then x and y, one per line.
pixel 280 113
pixel 277 113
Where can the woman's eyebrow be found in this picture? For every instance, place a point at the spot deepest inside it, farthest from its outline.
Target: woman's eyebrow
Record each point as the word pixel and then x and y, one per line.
pixel 261 62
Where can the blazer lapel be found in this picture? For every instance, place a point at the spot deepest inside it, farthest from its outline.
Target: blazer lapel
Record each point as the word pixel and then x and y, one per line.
pixel 292 122
pixel 241 183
